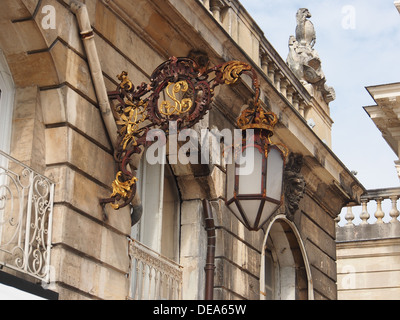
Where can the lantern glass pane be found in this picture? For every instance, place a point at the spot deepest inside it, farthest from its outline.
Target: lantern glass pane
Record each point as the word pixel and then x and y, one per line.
pixel 268 210
pixel 250 171
pixel 274 174
pixel 250 208
pixel 230 181
pixel 236 211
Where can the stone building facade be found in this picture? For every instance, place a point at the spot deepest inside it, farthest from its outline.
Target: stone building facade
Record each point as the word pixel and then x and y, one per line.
pixel 57 124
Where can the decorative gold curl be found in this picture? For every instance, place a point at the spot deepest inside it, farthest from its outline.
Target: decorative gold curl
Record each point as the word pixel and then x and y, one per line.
pixel 123 189
pixel 130 120
pixel 125 82
pixel 180 107
pixel 232 70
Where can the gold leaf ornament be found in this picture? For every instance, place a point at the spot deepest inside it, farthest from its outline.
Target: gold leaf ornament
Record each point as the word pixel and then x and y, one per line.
pixel 232 70
pixel 179 107
pixel 123 189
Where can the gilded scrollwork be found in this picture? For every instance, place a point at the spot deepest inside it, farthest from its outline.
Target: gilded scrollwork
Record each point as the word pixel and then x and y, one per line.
pixel 122 188
pixel 130 120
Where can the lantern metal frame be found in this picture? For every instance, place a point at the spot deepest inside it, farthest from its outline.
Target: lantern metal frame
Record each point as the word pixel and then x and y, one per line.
pixel 263 123
pixel 262 196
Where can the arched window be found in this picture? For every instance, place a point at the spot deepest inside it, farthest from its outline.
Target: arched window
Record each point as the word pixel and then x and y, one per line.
pixel 7 92
pixel 285 271
pixel 159 226
pixel 271 274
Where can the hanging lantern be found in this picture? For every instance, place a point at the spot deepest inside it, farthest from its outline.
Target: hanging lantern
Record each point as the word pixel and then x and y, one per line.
pixel 254 191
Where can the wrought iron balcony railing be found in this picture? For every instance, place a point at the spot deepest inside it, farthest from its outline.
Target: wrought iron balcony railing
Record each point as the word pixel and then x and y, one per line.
pixel 26 210
pixel 153 277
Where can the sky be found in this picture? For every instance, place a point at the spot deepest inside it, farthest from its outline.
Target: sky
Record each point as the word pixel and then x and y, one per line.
pixel 359 45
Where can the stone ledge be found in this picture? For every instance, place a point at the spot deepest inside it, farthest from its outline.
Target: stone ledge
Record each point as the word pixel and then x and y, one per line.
pixel 367 232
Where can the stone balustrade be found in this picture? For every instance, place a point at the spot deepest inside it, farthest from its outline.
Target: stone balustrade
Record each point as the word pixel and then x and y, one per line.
pixel 153 277
pixel 384 203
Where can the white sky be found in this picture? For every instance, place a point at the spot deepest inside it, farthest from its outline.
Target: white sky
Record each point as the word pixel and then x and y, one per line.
pixel 352 58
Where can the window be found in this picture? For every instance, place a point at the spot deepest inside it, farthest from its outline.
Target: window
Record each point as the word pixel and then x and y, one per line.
pixel 6 104
pixel 6 110
pixel 159 227
pixel 285 276
pixel 270 275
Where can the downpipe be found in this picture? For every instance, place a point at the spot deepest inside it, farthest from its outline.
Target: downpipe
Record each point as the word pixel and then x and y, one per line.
pixel 211 243
pixel 87 36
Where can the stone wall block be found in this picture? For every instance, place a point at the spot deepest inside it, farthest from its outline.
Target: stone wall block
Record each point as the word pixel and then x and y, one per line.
pixel 65 105
pixel 28 131
pixel 76 190
pixel 88 277
pixel 73 69
pixel 90 238
pixel 65 145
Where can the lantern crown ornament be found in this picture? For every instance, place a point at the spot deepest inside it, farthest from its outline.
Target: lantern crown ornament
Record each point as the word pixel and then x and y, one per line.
pixel 255 117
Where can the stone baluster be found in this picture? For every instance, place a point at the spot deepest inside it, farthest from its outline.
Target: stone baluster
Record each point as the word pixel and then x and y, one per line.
pixel 206 4
pixel 349 216
pixel 284 86
pixel 394 212
pixel 289 93
pixel 271 71
pixel 397 166
pixel 302 108
pixel 277 80
pixel 379 214
pixel 364 214
pixel 296 101
pixel 215 7
pixel 264 62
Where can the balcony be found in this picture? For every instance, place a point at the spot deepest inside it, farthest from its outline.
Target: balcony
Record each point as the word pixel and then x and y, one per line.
pixel 153 277
pixel 26 210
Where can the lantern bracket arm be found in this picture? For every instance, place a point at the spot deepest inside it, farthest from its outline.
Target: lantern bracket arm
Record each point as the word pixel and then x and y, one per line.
pixel 189 83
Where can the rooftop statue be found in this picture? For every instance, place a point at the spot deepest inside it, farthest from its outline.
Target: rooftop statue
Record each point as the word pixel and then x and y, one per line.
pixel 303 59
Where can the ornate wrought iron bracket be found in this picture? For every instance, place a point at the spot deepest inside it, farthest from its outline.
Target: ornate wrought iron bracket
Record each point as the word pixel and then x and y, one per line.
pixel 189 84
